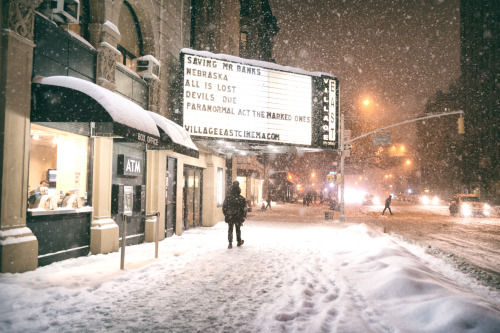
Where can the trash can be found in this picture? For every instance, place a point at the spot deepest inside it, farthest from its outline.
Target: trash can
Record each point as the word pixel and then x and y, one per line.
pixel 328 215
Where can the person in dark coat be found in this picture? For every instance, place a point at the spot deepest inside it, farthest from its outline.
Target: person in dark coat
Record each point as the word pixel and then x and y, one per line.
pixel 234 209
pixel 269 198
pixel 387 204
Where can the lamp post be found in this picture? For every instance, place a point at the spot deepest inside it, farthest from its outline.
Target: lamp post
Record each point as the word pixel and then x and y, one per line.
pixel 342 157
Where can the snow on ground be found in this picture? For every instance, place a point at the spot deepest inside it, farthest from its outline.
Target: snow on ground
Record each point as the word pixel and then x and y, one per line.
pixel 296 272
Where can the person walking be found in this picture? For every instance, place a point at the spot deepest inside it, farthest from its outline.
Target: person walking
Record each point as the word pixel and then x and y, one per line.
pixel 234 209
pixel 269 198
pixel 387 204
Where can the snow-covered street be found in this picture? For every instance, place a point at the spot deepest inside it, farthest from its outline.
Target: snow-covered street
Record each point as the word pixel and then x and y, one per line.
pixel 296 272
pixel 473 243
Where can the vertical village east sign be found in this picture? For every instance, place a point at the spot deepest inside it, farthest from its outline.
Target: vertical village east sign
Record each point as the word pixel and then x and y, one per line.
pixel 226 97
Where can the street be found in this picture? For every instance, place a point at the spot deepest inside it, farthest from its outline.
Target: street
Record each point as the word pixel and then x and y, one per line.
pixel 468 242
pixel 296 272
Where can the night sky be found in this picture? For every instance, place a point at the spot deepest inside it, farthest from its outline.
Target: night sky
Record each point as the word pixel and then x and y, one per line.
pixel 396 53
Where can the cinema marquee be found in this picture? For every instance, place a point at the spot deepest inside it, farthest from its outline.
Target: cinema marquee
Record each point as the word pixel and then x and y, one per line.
pixel 230 98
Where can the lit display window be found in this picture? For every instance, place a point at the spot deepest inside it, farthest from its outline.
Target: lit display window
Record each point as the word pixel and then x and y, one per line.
pixel 57 169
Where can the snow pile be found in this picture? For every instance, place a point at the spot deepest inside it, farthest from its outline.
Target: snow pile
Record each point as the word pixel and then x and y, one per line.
pixel 309 276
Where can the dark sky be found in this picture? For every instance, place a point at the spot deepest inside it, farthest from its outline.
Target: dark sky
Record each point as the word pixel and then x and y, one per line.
pixel 397 53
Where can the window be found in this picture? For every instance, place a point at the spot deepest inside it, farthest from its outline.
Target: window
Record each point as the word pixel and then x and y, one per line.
pixel 59 158
pixel 243 40
pixel 130 44
pixel 220 187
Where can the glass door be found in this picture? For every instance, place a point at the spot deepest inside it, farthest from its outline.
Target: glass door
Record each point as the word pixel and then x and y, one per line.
pixel 193 182
pixel 170 196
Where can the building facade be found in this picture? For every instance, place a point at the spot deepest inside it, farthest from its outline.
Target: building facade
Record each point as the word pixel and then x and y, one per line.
pixel 88 109
pixel 480 65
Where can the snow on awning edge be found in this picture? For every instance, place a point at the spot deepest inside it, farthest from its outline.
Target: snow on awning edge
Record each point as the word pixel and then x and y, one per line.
pixel 120 109
pixel 176 132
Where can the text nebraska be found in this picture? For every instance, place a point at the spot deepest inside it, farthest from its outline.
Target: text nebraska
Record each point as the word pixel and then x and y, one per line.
pixel 206 74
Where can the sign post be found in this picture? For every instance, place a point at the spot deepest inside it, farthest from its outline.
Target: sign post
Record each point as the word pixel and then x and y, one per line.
pixel 342 157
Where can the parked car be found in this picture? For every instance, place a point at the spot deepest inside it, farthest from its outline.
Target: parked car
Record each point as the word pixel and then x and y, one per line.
pixel 467 205
pixel 429 200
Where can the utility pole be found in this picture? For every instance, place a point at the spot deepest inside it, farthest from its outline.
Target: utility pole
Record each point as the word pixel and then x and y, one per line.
pixel 343 144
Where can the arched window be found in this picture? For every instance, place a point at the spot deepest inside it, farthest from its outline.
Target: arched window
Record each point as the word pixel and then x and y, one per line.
pixel 130 44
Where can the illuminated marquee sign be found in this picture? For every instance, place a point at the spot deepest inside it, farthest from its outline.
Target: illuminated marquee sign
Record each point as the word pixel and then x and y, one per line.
pixel 329 112
pixel 232 98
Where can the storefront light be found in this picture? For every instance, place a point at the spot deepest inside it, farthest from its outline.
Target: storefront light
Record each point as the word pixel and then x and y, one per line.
pixel 61 158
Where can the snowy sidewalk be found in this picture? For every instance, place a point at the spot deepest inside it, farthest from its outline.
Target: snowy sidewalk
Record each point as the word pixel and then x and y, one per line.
pixel 296 272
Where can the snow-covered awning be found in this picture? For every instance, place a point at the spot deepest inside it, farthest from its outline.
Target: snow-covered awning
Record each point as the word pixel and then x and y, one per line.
pixel 173 136
pixel 69 99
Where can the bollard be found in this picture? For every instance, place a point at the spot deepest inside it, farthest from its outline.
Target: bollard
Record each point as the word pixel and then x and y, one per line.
pixel 124 241
pixel 157 233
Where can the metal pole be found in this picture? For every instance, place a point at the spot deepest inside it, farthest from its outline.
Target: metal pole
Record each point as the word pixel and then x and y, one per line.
pixel 157 233
pixel 124 241
pixel 342 156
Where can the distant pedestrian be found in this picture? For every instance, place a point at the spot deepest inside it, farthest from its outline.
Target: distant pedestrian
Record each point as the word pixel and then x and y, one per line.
pixel 269 198
pixel 234 209
pixel 387 204
pixel 309 197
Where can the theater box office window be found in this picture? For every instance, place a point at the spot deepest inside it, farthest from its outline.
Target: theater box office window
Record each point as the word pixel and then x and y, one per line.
pixel 59 213
pixel 63 230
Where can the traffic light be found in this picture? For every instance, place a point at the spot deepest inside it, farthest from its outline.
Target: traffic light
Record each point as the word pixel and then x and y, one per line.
pixel 461 126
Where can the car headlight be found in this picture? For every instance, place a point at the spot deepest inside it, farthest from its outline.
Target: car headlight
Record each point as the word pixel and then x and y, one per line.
pixel 425 200
pixel 487 207
pixel 466 209
pixel 435 200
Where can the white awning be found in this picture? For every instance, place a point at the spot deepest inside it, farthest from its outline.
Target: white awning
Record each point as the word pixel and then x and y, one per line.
pixel 69 99
pixel 174 135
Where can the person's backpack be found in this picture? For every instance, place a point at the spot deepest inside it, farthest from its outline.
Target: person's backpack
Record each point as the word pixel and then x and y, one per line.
pixel 232 208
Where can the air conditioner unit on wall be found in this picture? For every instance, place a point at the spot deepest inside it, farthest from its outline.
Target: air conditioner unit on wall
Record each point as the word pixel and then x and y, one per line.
pixel 63 11
pixel 148 67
